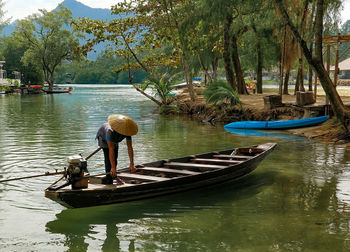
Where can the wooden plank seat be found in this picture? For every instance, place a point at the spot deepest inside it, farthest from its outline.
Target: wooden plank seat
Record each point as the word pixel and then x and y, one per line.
pixel 141 177
pixel 192 165
pixel 231 156
pixel 167 170
pixel 216 161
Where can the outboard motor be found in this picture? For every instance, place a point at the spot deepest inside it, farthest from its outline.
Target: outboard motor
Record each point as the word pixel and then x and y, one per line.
pixel 77 171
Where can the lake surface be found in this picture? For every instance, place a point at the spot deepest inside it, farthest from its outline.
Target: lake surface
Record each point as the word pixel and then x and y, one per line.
pixel 298 199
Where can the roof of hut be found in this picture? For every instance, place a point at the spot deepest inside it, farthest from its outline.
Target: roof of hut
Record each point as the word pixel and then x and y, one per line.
pixel 343 66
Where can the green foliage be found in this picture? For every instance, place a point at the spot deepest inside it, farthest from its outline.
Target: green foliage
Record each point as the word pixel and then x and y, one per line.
pixel 221 91
pixel 48 43
pixel 163 87
pixel 12 51
pixel 101 71
pixel 169 109
pixel 4 88
pixel 13 82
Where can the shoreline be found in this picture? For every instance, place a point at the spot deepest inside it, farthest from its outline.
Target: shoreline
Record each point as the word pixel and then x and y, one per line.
pixel 252 109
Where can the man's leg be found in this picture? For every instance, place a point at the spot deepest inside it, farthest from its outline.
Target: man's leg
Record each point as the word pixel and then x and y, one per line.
pixel 108 179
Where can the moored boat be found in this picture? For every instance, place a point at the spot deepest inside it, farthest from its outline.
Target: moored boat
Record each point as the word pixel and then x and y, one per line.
pixel 58 90
pixel 284 124
pixel 163 177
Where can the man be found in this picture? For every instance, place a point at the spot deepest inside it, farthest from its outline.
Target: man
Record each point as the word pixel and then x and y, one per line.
pixel 108 136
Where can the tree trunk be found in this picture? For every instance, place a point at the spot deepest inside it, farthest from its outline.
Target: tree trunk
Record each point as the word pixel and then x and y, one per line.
pixel 188 76
pixel 215 64
pixel 49 79
pixel 301 69
pixel 286 80
pixel 299 84
pixel 226 53
pixel 259 68
pixel 205 69
pixel 241 87
pixel 338 107
pixel 148 96
pixel 310 70
pixel 281 73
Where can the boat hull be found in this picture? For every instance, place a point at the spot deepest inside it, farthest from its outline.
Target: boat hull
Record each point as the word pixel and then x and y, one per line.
pixel 286 124
pixel 111 194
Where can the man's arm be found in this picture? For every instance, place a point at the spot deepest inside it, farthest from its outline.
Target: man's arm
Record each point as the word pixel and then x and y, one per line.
pixel 131 155
pixel 112 158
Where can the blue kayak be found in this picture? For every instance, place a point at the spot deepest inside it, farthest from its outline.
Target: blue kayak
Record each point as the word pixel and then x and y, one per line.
pixel 286 124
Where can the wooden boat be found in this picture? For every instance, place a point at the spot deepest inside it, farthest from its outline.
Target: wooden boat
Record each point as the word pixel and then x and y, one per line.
pixel 165 177
pixel 285 124
pixel 58 90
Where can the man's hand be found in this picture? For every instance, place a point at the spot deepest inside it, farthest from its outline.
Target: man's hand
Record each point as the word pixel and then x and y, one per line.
pixel 113 172
pixel 132 168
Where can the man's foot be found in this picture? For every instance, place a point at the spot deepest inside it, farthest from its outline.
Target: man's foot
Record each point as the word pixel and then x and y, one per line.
pixel 133 170
pixel 107 180
pixel 119 181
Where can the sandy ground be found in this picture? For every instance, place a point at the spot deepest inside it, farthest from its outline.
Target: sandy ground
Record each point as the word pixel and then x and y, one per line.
pixel 330 131
pixel 257 100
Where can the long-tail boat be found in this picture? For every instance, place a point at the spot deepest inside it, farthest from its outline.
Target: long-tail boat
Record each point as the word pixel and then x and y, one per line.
pixel 163 177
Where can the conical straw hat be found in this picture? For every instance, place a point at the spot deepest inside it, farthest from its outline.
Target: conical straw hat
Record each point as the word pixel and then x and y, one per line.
pixel 123 124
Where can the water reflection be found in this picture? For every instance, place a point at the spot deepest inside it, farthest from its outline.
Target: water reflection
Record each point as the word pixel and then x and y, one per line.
pixel 298 199
pixel 125 225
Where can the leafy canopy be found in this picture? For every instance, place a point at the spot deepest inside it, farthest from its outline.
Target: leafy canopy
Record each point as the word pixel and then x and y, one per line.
pixel 49 40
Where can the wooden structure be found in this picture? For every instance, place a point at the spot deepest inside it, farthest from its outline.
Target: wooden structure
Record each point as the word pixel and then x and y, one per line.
pixel 305 98
pixel 165 177
pixel 272 101
pixel 58 90
pixel 335 40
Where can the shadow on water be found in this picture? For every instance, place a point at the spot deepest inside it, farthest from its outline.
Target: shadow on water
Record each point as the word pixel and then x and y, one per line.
pixel 77 224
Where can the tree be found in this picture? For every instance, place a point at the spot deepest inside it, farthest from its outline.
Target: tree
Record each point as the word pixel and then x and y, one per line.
pixel 341 112
pixel 163 86
pixel 140 32
pixel 229 14
pixel 48 42
pixel 3 21
pixel 12 51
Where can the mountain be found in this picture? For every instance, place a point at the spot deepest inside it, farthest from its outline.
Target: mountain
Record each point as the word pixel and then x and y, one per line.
pixel 78 10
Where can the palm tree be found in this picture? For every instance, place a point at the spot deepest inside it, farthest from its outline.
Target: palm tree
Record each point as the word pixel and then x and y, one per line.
pixel 221 91
pixel 163 87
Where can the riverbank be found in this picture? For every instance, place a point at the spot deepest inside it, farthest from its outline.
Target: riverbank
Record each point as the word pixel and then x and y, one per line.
pixel 252 109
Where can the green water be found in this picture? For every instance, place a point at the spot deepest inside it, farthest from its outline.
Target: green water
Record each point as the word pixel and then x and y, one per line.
pixel 298 199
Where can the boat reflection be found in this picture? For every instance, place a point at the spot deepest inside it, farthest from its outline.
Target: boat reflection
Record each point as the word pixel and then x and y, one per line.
pixel 262 133
pixel 114 222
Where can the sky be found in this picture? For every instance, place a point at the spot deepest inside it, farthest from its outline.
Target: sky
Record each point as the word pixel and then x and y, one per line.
pixel 18 9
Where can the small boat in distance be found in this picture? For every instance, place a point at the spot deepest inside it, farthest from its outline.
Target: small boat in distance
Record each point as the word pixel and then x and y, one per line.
pixel 284 124
pixel 58 90
pixel 163 177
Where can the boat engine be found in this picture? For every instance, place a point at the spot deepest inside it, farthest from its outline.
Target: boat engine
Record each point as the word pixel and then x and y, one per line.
pixel 77 172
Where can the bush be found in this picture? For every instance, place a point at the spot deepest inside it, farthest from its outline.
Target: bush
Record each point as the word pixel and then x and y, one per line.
pixel 4 88
pixel 221 91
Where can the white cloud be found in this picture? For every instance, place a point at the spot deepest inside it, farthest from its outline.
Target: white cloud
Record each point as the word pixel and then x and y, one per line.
pixel 18 9
pixel 345 14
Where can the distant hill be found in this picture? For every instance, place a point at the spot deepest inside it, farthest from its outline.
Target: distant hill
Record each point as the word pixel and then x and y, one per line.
pixel 78 10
